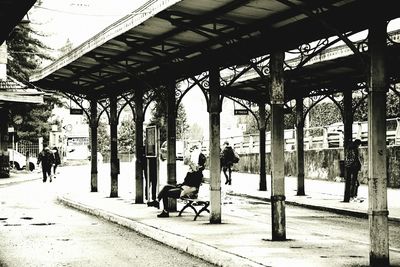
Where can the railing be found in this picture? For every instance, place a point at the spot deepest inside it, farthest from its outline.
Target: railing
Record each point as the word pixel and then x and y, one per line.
pixel 25 146
pixel 314 138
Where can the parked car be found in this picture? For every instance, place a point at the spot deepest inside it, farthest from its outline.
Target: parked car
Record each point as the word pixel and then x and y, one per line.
pixel 18 160
pixel 179 150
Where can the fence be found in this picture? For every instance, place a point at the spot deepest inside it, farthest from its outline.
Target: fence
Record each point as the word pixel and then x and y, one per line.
pixel 314 138
pixel 24 147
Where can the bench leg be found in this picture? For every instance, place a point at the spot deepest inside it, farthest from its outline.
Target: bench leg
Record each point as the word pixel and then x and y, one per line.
pixel 189 204
pixel 205 208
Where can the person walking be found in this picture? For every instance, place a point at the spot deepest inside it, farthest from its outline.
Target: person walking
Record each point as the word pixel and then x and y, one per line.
pixel 57 160
pixel 353 166
pixel 228 157
pixel 46 158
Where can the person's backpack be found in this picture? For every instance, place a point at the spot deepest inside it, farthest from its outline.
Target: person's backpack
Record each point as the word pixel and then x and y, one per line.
pixel 235 157
pixel 350 159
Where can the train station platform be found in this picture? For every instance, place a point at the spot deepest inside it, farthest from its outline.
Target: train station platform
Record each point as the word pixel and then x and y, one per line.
pixel 244 236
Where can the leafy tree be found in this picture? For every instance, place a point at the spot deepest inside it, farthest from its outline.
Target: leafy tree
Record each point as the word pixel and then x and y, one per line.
pixel 35 120
pixel 324 113
pixel 126 136
pixel 103 138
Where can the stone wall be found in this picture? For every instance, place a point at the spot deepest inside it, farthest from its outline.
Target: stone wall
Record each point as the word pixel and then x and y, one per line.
pixel 324 164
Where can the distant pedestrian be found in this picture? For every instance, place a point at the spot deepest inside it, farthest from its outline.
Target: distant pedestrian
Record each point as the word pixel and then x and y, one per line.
pixel 57 160
pixel 353 166
pixel 228 157
pixel 46 157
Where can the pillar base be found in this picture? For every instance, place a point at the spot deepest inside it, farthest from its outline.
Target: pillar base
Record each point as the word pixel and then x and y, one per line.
pixel 278 218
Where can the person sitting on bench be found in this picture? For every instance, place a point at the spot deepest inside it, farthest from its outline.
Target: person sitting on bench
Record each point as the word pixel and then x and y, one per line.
pixel 188 188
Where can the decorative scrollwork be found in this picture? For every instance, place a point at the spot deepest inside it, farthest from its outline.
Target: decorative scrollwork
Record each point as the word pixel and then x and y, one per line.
pixel 305 52
pixel 205 84
pixel 393 37
pixel 362 45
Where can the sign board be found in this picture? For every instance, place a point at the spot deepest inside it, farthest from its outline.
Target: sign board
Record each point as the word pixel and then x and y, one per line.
pixel 75 111
pixel 151 141
pixel 241 112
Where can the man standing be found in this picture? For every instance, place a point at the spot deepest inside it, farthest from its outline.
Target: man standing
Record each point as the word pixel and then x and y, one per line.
pixel 353 166
pixel 46 157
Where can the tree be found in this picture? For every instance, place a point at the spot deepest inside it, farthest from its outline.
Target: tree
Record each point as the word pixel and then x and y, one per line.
pixel 196 132
pixel 25 55
pixel 126 136
pixel 159 118
pixel 67 47
pixel 103 138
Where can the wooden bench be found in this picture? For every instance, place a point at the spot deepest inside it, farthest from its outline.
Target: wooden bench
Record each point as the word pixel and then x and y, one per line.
pixel 193 202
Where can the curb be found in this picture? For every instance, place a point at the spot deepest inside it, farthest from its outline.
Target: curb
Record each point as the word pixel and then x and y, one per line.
pixel 16 180
pixel 195 248
pixel 353 213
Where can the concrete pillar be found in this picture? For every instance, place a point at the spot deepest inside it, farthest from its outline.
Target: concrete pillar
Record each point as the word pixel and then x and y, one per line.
pixel 277 148
pixel 348 136
pixel 300 146
pixel 139 151
pixel 114 146
pixel 263 174
pixel 214 145
pixel 377 193
pixel 93 140
pixel 171 139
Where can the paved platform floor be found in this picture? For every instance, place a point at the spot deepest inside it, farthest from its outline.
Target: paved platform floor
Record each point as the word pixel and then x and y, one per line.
pixel 244 236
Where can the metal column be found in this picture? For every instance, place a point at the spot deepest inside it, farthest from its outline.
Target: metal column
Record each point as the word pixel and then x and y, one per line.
pixel 114 146
pixel 171 140
pixel 377 194
pixel 348 136
pixel 277 148
pixel 139 151
pixel 93 139
pixel 300 146
pixel 263 175
pixel 215 169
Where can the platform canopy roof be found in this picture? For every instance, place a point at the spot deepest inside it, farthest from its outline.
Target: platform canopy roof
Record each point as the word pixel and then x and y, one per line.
pixel 11 13
pixel 172 39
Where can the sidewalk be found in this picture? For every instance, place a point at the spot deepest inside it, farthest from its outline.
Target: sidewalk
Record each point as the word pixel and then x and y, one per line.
pixel 320 195
pixel 243 238
pixel 20 176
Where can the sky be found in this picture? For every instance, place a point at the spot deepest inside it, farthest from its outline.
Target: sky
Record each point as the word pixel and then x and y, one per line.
pixel 78 20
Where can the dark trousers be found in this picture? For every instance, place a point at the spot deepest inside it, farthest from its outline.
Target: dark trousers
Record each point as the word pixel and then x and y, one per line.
pixel 352 176
pixel 46 170
pixel 228 176
pixel 55 168
pixel 167 191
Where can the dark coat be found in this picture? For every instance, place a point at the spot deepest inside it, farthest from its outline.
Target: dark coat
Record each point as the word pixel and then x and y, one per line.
pixel 227 156
pixel 46 157
pixel 194 179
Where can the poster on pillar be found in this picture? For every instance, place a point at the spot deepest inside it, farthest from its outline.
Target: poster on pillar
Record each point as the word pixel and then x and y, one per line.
pixel 151 142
